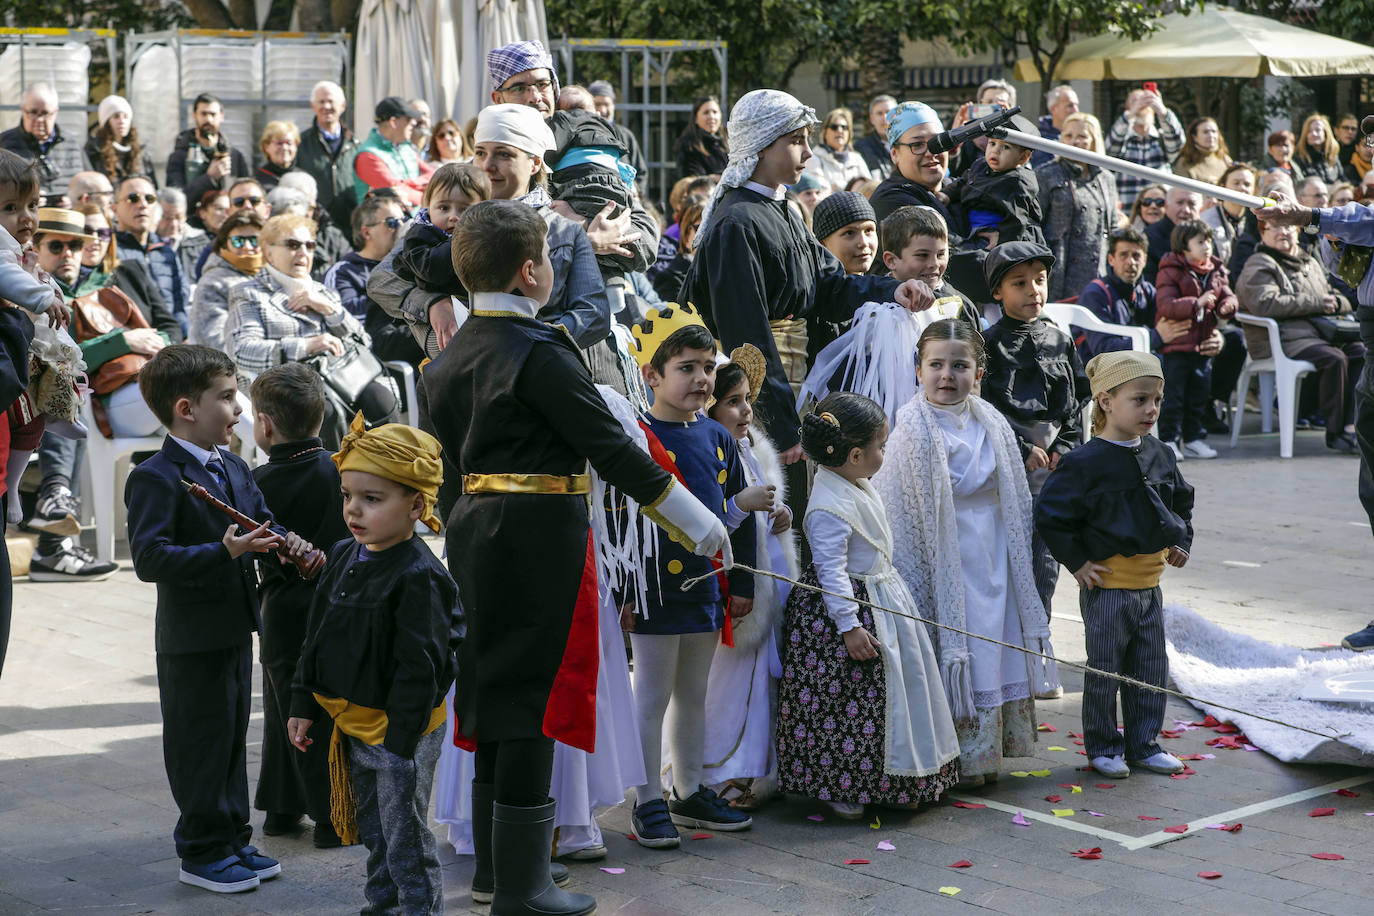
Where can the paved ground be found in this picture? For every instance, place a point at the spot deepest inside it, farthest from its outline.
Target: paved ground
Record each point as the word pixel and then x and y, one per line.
pixel 1283 552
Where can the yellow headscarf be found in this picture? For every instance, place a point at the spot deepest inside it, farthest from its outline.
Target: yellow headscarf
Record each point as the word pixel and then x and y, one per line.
pixel 396 452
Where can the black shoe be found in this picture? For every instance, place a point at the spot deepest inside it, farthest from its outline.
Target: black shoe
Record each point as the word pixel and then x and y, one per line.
pixel 1361 640
pixel 483 884
pixel 1342 443
pixel 520 842
pixel 69 563
pixel 326 837
pixel 1213 422
pixel 278 824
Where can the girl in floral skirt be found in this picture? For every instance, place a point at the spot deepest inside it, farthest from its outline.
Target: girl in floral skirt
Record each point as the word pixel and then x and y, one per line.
pixel 862 717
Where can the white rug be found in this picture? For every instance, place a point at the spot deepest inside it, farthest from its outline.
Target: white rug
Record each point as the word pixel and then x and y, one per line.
pixel 1208 661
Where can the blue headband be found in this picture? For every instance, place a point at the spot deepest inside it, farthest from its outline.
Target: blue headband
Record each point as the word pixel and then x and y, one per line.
pixel 908 115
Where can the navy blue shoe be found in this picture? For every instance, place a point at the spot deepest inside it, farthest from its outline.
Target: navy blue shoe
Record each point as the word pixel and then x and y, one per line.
pixel 704 808
pixel 227 876
pixel 654 827
pixel 1360 641
pixel 260 865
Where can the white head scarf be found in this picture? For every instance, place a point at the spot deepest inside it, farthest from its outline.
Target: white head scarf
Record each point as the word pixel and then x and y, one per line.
pixel 519 126
pixel 758 118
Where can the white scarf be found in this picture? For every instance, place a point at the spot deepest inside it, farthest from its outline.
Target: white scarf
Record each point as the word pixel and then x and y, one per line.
pixel 291 284
pixel 915 483
pixel 751 631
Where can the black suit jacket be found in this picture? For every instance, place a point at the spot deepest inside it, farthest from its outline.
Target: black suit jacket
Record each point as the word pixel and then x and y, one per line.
pixel 205 599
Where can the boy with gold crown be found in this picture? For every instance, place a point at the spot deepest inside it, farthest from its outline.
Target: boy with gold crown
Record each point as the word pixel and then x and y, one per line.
pixel 378 656
pixel 517 409
pixel 674 637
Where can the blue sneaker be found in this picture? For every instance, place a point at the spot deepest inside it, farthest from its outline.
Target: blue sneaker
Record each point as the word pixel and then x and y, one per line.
pixel 227 876
pixel 1359 642
pixel 654 827
pixel 260 865
pixel 704 808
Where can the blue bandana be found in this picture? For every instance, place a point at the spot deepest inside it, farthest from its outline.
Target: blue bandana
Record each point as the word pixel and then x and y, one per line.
pixel 908 115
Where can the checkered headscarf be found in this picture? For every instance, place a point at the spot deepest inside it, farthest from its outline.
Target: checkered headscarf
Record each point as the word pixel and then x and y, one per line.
pixel 758 118
pixel 508 60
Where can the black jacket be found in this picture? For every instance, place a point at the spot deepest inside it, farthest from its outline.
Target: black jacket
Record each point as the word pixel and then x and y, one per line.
pixel 426 258
pixel 301 486
pixel 668 281
pixel 123 168
pixel 56 167
pixel 1012 195
pixel 198 184
pixel 1106 499
pixel 383 633
pixel 692 161
pixel 876 155
pixel 1158 233
pixel 1034 376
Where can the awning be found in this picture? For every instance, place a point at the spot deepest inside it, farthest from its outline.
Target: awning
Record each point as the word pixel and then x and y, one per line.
pixel 924 77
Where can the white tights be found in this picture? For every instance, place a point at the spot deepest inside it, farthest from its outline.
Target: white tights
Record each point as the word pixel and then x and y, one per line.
pixel 672 667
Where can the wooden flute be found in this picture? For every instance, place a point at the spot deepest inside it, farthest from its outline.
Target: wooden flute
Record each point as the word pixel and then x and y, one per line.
pixel 308 566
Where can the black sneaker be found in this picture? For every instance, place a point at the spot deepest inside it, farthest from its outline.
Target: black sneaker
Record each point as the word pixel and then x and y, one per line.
pixel 70 563
pixel 704 808
pixel 1360 641
pixel 55 511
pixel 653 826
pixel 1343 443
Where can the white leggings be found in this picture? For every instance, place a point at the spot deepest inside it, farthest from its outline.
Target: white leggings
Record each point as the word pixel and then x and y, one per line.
pixel 672 667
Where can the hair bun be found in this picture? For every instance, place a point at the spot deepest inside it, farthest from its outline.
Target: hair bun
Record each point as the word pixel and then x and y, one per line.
pixel 823 439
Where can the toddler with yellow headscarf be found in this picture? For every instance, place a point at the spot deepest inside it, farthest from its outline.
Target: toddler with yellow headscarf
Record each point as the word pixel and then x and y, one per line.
pixel 379 656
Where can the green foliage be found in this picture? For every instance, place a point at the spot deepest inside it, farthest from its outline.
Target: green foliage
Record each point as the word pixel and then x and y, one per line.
pixel 123 15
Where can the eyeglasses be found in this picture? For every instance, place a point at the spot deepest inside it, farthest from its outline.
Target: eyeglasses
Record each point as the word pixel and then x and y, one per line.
pixel 55 246
pixel 539 86
pixel 148 199
pixel 40 115
pixel 917 147
pixel 447 135
pixel 1152 201
pixel 246 201
pixel 297 244
pixel 391 222
pixel 283 142
pixel 102 234
pixel 99 197
pixel 839 125
pixel 240 241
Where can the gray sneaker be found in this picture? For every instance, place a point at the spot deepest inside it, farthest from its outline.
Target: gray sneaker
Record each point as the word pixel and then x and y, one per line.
pixel 55 512
pixel 70 563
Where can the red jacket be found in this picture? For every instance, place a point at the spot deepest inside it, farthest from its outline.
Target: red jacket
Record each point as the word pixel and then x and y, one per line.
pixel 1177 289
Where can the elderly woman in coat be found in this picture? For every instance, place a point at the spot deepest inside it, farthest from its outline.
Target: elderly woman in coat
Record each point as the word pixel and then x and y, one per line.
pixel 235 255
pixel 1283 282
pixel 1079 203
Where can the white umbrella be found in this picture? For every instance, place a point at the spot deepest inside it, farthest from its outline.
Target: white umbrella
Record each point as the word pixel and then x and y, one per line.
pixel 487 24
pixel 393 57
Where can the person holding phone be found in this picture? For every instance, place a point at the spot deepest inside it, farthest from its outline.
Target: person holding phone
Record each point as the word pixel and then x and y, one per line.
pixel 1147 133
pixel 992 95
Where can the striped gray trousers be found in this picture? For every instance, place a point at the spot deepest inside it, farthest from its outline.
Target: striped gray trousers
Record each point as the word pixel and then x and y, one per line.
pixel 1125 635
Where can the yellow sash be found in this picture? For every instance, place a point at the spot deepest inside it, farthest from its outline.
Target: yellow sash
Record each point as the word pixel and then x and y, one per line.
pixel 1140 571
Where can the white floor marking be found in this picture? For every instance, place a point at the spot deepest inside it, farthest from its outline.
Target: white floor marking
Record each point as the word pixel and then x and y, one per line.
pixel 1241 563
pixel 1066 822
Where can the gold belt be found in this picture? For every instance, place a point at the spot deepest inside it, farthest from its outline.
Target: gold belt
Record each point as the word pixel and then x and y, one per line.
pixel 548 484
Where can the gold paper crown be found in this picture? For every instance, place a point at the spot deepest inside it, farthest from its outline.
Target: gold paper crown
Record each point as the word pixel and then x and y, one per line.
pixel 658 326
pixel 751 359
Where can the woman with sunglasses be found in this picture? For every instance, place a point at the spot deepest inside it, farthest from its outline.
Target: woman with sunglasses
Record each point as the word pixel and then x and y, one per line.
pixel 1148 208
pixel 448 144
pixel 102 267
pixel 281 315
pixel 833 159
pixel 235 255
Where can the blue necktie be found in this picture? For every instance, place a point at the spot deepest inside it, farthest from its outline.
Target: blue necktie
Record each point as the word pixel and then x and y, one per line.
pixel 216 468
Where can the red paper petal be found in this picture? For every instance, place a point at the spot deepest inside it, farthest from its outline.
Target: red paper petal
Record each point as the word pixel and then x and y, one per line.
pixel 1177 828
pixel 1093 853
pixel 1232 828
pixel 1346 793
pixel 1146 817
pixel 855 861
pixel 1070 785
pixel 968 805
pixel 1180 775
pixel 1329 856
pixel 1226 729
pixel 962 863
pixel 1105 785
pixel 1170 734
pixel 632 838
pixel 1075 735
pixel 1322 812
pixel 1046 727
pixel 701 836
pixel 1210 722
pixel 1054 798
pixel 1209 875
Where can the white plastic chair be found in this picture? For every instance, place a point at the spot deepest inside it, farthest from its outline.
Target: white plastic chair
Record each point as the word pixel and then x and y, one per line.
pixel 407 378
pixel 1069 316
pixel 1277 372
pixel 103 473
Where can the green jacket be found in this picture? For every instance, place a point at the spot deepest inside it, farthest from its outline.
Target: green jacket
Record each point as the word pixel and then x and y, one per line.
pixel 402 161
pixel 333 172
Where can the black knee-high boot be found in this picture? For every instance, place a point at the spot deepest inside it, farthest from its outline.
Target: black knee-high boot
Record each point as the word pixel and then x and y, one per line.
pixel 482 882
pixel 520 843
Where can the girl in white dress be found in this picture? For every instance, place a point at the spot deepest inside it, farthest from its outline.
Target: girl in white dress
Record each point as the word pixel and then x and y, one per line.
pixel 955 484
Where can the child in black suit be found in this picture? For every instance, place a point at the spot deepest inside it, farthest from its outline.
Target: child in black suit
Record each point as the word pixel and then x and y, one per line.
pixel 207 609
pixel 301 486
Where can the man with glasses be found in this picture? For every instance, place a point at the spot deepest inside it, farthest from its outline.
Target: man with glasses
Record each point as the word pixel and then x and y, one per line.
pixel 202 158
pixel 327 151
pixel 387 159
pixel 90 188
pixel 377 224
pixel 136 215
pixel 39 138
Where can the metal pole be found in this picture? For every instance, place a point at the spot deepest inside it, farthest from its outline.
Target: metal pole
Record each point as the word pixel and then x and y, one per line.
pixel 1111 163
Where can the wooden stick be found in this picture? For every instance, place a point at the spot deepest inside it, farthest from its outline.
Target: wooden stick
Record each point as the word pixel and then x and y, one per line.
pixel 308 566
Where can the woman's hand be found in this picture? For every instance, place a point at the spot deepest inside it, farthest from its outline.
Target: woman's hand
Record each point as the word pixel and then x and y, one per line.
pixel 144 341
pixel 607 235
pixel 860 644
pixel 308 300
pixel 324 343
pixel 755 499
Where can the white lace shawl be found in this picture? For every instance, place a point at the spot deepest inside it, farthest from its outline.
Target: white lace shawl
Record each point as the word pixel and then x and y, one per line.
pixel 753 629
pixel 915 484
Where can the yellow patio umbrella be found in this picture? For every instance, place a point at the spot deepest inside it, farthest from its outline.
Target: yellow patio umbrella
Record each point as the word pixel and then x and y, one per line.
pixel 1215 42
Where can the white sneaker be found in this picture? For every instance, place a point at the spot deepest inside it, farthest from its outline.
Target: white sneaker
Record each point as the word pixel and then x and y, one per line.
pixel 850 811
pixel 1173 447
pixel 1114 767
pixel 1198 449
pixel 1162 762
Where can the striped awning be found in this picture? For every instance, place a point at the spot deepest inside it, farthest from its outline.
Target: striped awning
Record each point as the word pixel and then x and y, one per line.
pixel 924 77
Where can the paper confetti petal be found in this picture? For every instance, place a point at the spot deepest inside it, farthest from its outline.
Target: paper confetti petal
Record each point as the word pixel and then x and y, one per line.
pixel 855 861
pixel 1146 817
pixel 1062 812
pixel 1019 820
pixel 949 891
pixel 885 846
pixel 632 838
pixel 1177 828
pixel 1040 772
pixel 1104 785
pixel 815 817
pixel 962 863
pixel 1322 812
pixel 1329 856
pixel 877 824
pixel 701 836
pixel 1093 853
pixel 1095 814
pixel 1209 875
pixel 1020 774
pixel 968 805
pixel 614 871
pixel 1045 727
pixel 1052 799
pixel 1055 747
pixel 1075 790
pixel 1347 793
pixel 1232 828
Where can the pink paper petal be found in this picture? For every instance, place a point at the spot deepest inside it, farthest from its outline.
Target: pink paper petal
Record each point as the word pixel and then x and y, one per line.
pixel 962 863
pixel 614 871
pixel 1209 875
pixel 1019 820
pixel 885 846
pixel 815 817
pixel 1329 856
pixel 1095 814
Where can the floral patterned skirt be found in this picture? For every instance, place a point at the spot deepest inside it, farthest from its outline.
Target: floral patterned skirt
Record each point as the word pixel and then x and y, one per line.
pixel 831 712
